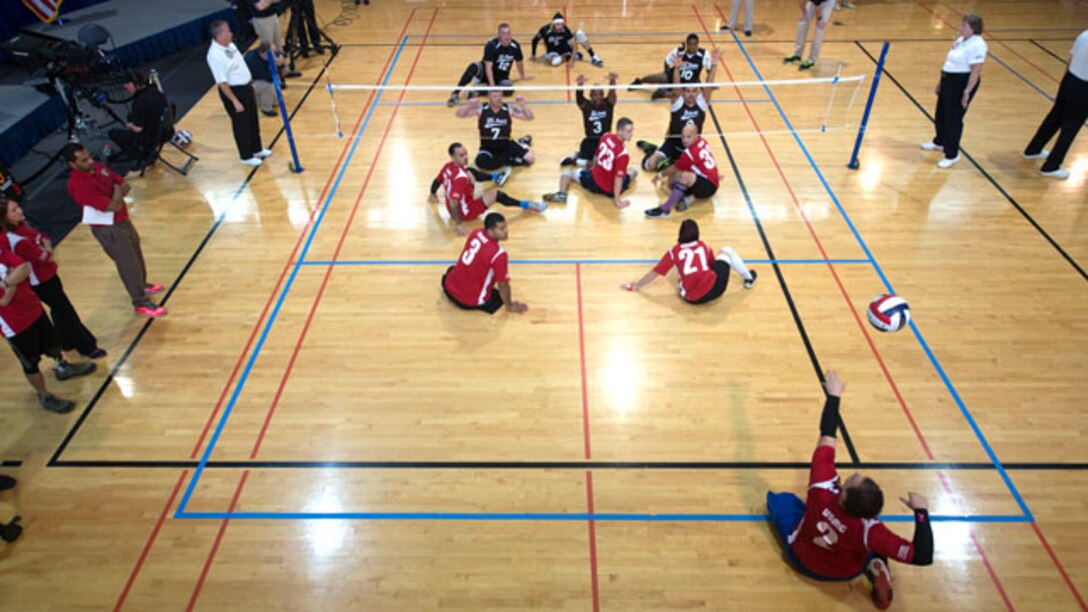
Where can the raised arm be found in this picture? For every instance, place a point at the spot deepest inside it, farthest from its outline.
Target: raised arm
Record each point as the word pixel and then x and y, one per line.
pixel 829 419
pixel 711 73
pixel 469 109
pixel 579 94
pixel 612 78
pixel 521 109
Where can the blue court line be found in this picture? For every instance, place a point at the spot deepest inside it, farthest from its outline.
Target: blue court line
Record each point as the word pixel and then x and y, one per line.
pixel 887 284
pixel 557 262
pixel 561 516
pixel 546 102
pixel 1021 77
pixel 283 294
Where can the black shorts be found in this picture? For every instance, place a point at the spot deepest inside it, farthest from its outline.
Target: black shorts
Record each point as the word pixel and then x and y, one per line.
pixel 491 306
pixel 672 148
pixel 41 338
pixel 702 188
pixel 495 154
pixel 585 179
pixel 721 271
pixel 588 148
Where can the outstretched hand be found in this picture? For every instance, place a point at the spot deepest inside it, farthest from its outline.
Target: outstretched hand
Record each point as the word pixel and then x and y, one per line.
pixel 915 501
pixel 833 384
pixel 581 80
pixel 612 77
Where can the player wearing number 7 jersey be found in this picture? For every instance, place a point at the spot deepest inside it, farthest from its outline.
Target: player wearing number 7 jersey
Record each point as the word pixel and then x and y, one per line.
pixel 835 535
pixel 480 279
pixel 695 174
pixel 610 174
pixel 702 279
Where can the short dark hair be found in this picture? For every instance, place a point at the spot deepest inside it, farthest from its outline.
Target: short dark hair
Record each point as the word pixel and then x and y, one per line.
pixel 689 231
pixel 975 21
pixel 139 78
pixel 11 227
pixel 623 122
pixel 453 147
pixel 691 37
pixel 216 26
pixel 493 219
pixel 865 500
pixel 69 151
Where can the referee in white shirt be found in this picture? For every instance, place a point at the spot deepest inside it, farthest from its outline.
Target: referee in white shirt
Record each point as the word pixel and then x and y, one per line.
pixel 1068 114
pixel 959 82
pixel 235 85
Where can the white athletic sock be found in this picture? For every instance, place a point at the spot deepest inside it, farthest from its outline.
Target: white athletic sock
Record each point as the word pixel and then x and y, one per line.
pixel 731 257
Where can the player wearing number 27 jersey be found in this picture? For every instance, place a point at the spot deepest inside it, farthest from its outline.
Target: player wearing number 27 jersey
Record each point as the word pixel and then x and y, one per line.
pixel 480 279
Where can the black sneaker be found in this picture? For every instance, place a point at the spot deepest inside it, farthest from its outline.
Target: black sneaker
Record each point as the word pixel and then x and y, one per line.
pixel 634 82
pixel 684 203
pixel 453 100
pixel 646 146
pixel 659 93
pixel 570 160
pixel 55 404
pixel 66 370
pixel 269 113
pixel 526 140
pixel 6 482
pixel 791 59
pixel 11 532
pixel 97 353
pixel 748 33
pixel 751 281
pixel 657 213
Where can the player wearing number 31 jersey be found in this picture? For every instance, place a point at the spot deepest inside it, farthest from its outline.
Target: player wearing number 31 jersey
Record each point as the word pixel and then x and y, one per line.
pixel 702 277
pixel 695 174
pixel 836 534
pixel 480 279
pixel 610 174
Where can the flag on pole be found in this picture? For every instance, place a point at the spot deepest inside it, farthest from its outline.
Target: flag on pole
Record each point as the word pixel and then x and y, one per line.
pixel 46 10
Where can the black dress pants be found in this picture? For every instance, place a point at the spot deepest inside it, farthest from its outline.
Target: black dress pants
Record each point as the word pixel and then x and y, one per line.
pixel 247 128
pixel 1068 114
pixel 950 111
pixel 65 318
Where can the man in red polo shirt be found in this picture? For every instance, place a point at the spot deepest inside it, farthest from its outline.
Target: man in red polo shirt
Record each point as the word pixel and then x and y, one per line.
pixel 100 192
pixel 610 175
pixel 30 333
pixel 480 280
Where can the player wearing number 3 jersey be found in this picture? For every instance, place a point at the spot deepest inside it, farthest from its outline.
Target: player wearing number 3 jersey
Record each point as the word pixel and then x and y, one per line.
pixel 610 174
pixel 480 279
pixel 835 535
pixel 702 278
pixel 596 119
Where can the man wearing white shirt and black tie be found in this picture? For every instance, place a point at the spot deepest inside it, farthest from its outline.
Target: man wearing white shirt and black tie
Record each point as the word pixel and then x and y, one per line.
pixel 235 85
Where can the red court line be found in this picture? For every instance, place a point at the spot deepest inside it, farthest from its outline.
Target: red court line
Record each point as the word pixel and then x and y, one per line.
pixel 294 251
pixel 215 545
pixel 150 542
pixel 592 544
pixel 585 434
pixel 819 245
pixel 846 297
pixel 343 236
pixel 1058 564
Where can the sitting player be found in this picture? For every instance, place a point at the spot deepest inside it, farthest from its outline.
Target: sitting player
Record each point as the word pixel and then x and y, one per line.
pixel 596 119
pixel 480 279
pixel 695 174
pixel 558 43
pixel 835 535
pixel 691 107
pixel 701 280
pixel 610 175
pixel 496 124
pixel 500 55
pixel 684 64
pixel 461 200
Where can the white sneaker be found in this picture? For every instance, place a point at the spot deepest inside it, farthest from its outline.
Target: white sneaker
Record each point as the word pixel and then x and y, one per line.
pixel 932 146
pixel 263 153
pixel 1040 155
pixel 253 161
pixel 1059 174
pixel 948 163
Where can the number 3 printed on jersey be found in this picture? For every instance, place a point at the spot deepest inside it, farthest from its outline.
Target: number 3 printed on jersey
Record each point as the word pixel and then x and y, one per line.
pixel 708 160
pixel 470 252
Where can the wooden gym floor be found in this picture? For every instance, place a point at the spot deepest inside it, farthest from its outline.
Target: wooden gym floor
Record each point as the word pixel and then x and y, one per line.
pixel 314 427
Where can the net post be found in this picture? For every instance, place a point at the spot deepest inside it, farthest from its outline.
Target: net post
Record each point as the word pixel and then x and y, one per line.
pixel 295 165
pixel 853 165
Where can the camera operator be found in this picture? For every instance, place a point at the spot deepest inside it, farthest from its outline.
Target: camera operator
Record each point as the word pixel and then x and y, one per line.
pixel 304 24
pixel 257 61
pixel 142 130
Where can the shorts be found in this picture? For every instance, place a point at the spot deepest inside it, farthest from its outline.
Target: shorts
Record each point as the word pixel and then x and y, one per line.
pixel 495 154
pixel 41 338
pixel 721 270
pixel 672 148
pixel 491 306
pixel 588 148
pixel 786 511
pixel 585 179
pixel 702 188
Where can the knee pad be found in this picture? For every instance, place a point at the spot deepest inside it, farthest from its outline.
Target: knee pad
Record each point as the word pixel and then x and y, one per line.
pixel 556 59
pixel 572 174
pixel 580 36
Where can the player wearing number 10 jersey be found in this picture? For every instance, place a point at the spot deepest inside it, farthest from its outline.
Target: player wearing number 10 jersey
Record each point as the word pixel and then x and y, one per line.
pixel 480 279
pixel 695 174
pixel 702 278
pixel 835 535
pixel 610 174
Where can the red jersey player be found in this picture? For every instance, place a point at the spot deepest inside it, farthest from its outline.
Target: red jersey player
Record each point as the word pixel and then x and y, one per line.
pixel 695 174
pixel 702 278
pixel 456 178
pixel 835 534
pixel 610 174
pixel 480 279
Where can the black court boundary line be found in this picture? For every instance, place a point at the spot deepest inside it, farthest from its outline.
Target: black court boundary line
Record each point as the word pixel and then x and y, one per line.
pixel 782 282
pixel 1042 232
pixel 54 460
pixel 566 465
pixel 1049 52
pixel 11 463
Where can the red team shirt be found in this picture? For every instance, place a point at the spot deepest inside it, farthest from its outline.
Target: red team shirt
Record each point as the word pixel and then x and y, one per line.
pixel 610 162
pixel 830 542
pixel 698 159
pixel 692 261
pixel 95 188
pixel 29 244
pixel 460 191
pixel 25 308
pixel 482 264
